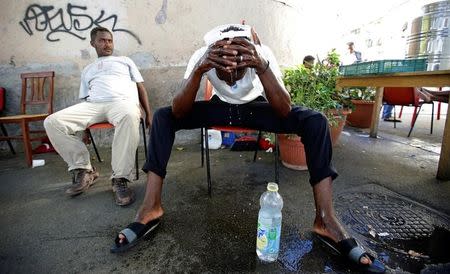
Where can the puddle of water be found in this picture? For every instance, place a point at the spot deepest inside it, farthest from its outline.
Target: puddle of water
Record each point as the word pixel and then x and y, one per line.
pixel 292 250
pixel 415 254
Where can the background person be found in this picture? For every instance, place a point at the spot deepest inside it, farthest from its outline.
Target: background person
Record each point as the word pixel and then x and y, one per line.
pixel 111 89
pixel 308 61
pixel 387 114
pixel 352 56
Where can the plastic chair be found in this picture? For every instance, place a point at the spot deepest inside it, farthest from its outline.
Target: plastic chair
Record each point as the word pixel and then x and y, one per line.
pixel 407 96
pixel 204 140
pixel 2 106
pixel 106 125
pixel 35 105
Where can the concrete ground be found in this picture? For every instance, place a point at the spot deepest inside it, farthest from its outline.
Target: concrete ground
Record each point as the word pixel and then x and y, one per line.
pixel 386 194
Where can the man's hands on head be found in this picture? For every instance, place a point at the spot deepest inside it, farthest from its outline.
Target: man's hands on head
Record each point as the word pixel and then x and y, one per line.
pixel 230 58
pixel 233 54
pixel 248 56
pixel 218 57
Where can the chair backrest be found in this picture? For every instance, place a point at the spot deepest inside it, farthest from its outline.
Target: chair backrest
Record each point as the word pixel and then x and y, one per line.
pixel 401 96
pixel 37 89
pixel 2 98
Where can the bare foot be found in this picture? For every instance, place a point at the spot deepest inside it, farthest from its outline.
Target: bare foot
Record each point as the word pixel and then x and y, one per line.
pixel 144 216
pixel 331 228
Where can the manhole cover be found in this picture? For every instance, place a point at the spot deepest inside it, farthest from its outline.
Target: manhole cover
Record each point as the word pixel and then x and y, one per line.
pixel 390 217
pixel 404 234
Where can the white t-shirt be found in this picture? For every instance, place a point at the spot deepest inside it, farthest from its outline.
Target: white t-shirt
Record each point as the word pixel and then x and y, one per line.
pixel 109 79
pixel 244 90
pixel 351 58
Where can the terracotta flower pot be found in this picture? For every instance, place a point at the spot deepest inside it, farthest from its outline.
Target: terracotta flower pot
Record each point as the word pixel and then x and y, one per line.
pixel 361 117
pixel 336 130
pixel 292 151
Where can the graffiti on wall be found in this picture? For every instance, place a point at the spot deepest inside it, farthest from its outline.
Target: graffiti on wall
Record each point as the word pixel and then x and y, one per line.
pixel 73 21
pixel 161 16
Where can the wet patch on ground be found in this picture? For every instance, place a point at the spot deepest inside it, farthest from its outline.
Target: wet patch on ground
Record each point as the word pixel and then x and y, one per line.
pixel 404 234
pixel 292 250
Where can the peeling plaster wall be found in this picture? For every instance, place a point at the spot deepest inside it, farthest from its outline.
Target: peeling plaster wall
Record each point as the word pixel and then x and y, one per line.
pixel 158 35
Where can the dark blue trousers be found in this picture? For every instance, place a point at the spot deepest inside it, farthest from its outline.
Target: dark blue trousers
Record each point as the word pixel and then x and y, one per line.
pixel 310 125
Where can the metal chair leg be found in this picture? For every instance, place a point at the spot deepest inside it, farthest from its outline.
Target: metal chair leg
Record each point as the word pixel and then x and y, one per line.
pixel 93 144
pixel 257 145
pixel 5 133
pixel 201 145
pixel 432 117
pixel 208 171
pixel 205 151
pixel 395 119
pixel 145 137
pixel 136 163
pixel 416 115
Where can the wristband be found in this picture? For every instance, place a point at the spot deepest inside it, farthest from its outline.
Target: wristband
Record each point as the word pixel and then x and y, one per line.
pixel 267 66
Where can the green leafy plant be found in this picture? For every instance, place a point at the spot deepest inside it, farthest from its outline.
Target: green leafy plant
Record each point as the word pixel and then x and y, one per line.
pixel 315 88
pixel 360 93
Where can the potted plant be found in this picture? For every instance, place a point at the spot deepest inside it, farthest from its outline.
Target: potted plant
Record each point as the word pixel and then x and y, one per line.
pixel 314 88
pixel 362 104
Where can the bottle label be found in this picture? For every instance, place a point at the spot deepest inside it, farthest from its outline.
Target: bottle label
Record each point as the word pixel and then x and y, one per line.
pixel 268 236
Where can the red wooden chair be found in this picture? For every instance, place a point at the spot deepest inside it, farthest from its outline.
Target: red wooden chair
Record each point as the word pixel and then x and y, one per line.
pixel 106 125
pixel 407 96
pixel 204 140
pixel 35 105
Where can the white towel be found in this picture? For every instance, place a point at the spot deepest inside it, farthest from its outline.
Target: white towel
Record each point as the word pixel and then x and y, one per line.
pixel 217 34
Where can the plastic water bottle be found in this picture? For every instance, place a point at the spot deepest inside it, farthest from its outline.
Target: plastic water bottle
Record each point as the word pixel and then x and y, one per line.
pixel 269 224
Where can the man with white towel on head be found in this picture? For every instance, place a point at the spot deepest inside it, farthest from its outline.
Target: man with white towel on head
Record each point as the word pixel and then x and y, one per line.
pixel 248 91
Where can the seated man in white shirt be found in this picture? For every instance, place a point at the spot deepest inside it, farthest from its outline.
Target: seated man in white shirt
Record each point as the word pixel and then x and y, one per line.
pixel 112 89
pixel 249 92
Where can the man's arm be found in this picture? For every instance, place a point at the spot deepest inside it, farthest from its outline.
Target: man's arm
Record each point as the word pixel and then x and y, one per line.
pixel 185 97
pixel 276 94
pixel 143 100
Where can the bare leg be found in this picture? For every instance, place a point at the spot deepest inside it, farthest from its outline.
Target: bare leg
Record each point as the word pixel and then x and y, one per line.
pixel 326 223
pixel 151 207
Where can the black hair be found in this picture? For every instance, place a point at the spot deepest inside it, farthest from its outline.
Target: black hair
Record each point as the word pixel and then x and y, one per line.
pixel 98 29
pixel 309 58
pixel 232 28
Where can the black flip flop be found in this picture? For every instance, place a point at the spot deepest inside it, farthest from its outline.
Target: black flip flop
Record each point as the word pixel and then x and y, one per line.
pixel 392 119
pixel 350 250
pixel 133 234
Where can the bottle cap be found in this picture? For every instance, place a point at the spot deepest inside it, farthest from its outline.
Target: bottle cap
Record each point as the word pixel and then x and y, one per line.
pixel 272 187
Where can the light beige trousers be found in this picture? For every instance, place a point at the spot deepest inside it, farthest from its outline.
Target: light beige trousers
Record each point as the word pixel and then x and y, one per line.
pixel 62 126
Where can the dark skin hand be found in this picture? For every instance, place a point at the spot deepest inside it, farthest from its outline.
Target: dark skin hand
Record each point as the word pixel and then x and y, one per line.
pixel 143 100
pixel 231 58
